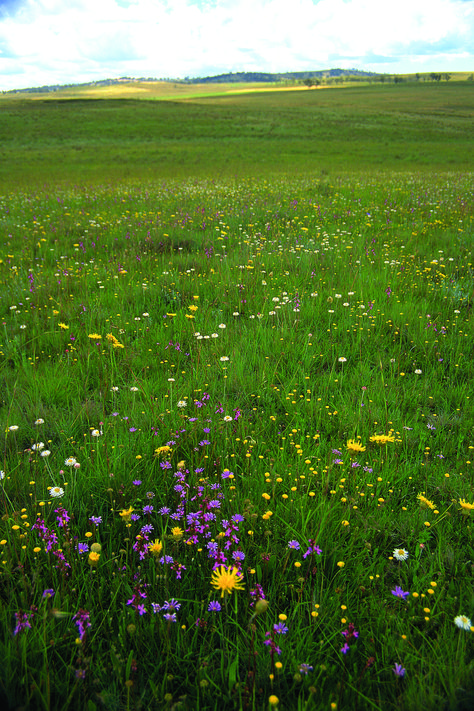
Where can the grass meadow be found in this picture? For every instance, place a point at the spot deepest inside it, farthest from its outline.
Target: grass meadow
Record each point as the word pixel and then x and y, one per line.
pixel 236 416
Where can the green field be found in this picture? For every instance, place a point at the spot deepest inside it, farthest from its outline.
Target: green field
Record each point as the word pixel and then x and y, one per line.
pixel 236 403
pixel 404 127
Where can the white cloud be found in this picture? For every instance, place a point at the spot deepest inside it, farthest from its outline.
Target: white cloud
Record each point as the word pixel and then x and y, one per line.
pixel 52 41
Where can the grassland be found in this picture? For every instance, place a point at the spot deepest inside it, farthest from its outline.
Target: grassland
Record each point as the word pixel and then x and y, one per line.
pixel 236 407
pixel 403 127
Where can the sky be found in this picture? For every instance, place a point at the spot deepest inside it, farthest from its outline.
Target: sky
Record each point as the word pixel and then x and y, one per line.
pixel 45 42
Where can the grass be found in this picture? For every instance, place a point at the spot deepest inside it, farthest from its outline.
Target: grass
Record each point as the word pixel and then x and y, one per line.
pixel 403 127
pixel 268 373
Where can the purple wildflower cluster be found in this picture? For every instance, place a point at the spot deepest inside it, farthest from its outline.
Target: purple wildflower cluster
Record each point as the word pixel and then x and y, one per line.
pixel 349 634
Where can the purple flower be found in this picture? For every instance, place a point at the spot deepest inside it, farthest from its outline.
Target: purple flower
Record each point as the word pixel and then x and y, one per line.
pixel 170 616
pixel 156 607
pixel 81 618
pixel 293 545
pixel 82 548
pixel 22 621
pixel 96 520
pixel 398 670
pixel 238 556
pixel 214 606
pixel 313 548
pixel 164 511
pixel 280 628
pixel 147 528
pixel 135 517
pixel 137 482
pixel 305 668
pixel 398 592
pixel 49 592
pixel 171 605
pixel 148 509
pixel 345 648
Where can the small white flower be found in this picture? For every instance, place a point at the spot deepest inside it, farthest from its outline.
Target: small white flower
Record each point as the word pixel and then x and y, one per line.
pixel 171 380
pixel 38 446
pixel 418 371
pixel 13 428
pixel 133 389
pixel 236 313
pixel 114 389
pixel 342 359
pixel 223 358
pixel 39 421
pixel 214 335
pixel 2 474
pixel 400 554
pixel 182 403
pixel 56 492
pixel 70 462
pixel 45 453
pixel 96 433
pixel 222 325
pixel 463 622
pixel 227 418
pixel 23 326
pixel 145 314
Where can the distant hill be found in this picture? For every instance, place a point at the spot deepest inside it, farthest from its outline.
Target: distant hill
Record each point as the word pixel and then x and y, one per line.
pixel 230 78
pixel 242 77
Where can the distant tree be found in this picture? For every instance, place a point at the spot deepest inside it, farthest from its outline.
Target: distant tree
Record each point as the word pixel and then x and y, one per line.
pixel 447 77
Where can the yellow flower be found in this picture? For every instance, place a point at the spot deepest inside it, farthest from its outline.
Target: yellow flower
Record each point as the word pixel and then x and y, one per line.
pixel 115 343
pixel 193 307
pixel 93 558
pixel 382 439
pixel 63 326
pixel 354 446
pixel 156 547
pixel 425 503
pixel 466 507
pixel 126 513
pixel 95 336
pixel 163 451
pixel 227 579
pixel 177 533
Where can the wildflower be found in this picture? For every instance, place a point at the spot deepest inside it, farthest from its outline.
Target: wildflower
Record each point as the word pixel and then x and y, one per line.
pixel 39 421
pixel 400 554
pixel 56 492
pixel 214 606
pixel 22 621
pixel 45 453
pixel 313 548
pixel 345 648
pixel 115 343
pixel 398 592
pixel 70 462
pixel 305 668
pixel 293 545
pixel 425 503
pixel 96 433
pixel 94 336
pixel 49 592
pixel 466 507
pixel 81 618
pixel 224 359
pixel 463 622
pixel 170 617
pixel 354 446
pixel 273 700
pixel 182 403
pixel 163 451
pixel 156 547
pixel 280 628
pixel 398 670
pixel 342 359
pixel 93 559
pixel 418 371
pixel 13 428
pixel 382 439
pixel 222 325
pixel 172 605
pixel 126 514
pixel 227 579
pixel 38 446
pixel 227 418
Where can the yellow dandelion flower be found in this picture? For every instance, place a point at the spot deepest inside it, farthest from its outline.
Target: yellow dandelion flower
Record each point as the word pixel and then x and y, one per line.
pixel 63 326
pixel 466 507
pixel 93 558
pixel 227 579
pixel 163 451
pixel 193 307
pixel 95 336
pixel 115 343
pixel 425 503
pixel 382 439
pixel 177 533
pixel 126 514
pixel 354 446
pixel 156 547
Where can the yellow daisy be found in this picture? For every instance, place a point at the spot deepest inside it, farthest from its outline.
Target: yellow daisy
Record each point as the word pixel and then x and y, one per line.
pixel 354 446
